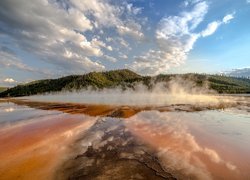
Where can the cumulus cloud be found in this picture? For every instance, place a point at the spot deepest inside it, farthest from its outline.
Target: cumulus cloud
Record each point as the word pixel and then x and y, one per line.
pixel 155 62
pixel 78 36
pixel 109 58
pixel 63 33
pixel 50 32
pixel 176 36
pixel 9 80
pixel 126 30
pixel 131 28
pixel 118 43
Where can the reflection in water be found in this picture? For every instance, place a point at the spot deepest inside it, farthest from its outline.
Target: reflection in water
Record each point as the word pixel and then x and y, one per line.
pixel 209 144
pixel 34 148
pixel 11 113
pixel 178 148
pixel 109 151
pixel 9 109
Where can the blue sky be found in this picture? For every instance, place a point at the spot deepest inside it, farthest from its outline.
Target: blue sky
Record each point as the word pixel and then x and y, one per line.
pixel 53 38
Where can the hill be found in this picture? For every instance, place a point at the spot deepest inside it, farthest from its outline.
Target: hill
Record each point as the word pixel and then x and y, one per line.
pixel 3 89
pixel 125 79
pixel 243 72
pixel 97 80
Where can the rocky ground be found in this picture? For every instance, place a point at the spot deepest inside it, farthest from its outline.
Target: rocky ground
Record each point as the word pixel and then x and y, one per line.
pixel 109 151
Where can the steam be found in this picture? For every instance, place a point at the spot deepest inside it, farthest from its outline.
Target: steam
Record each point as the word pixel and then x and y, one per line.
pixel 177 91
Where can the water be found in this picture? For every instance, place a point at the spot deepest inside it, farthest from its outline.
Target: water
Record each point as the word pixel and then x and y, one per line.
pixel 34 142
pixel 202 145
pixel 208 144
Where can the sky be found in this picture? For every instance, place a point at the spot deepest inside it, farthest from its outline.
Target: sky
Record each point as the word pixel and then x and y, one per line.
pixel 53 38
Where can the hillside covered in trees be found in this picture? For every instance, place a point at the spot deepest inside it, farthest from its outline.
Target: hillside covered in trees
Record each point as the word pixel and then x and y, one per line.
pixel 125 79
pixel 3 89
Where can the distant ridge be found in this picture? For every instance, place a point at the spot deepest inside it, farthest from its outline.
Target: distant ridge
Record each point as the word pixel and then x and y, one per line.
pixel 241 72
pixel 124 78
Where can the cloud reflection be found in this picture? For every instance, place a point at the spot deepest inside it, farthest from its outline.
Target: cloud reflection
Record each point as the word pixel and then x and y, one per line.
pixel 10 109
pixel 176 147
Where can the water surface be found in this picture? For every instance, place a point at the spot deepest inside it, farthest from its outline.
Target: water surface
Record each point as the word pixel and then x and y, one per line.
pixel 202 145
pixel 62 141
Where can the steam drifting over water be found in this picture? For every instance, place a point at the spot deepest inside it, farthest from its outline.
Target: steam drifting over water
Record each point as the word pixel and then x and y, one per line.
pixel 175 92
pixel 185 144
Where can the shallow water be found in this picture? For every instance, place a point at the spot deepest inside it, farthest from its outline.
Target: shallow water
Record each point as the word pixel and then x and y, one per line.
pixel 208 144
pixel 33 143
pixel 202 145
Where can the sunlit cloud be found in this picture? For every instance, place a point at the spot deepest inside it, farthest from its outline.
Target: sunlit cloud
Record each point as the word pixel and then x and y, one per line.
pixel 176 37
pixel 9 80
pixel 65 33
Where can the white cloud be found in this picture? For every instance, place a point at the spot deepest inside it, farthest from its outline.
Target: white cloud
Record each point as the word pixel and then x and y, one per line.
pixel 104 13
pixel 51 33
pixel 108 15
pixel 227 18
pixel 109 58
pixel 133 10
pixel 213 26
pixel 248 1
pixel 109 48
pixel 73 35
pixel 63 33
pixel 131 28
pixel 124 43
pixel 156 62
pixel 176 37
pixel 118 42
pixel 9 80
pixel 123 56
pixel 190 2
